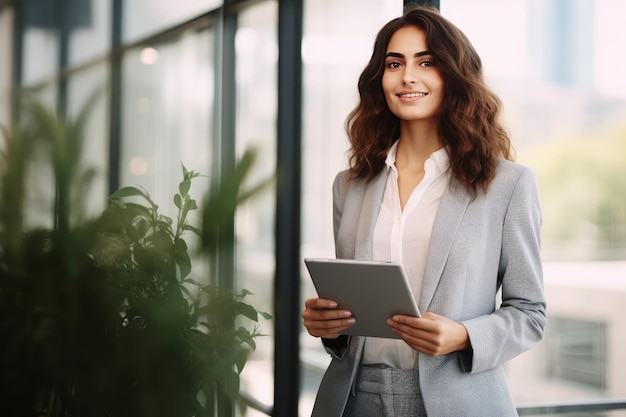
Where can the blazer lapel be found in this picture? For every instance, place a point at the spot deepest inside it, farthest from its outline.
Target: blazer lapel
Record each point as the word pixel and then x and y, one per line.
pixel 368 215
pixel 449 215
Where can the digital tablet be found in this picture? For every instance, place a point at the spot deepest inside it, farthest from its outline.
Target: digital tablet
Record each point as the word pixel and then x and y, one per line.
pixel 372 291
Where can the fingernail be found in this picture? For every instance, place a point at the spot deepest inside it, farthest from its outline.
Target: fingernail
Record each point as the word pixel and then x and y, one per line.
pixel 347 313
pixel 351 320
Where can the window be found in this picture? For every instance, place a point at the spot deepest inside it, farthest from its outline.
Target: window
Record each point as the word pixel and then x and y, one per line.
pixel 256 49
pixel 6 72
pixel 166 112
pixel 146 17
pixel 577 351
pixel 555 67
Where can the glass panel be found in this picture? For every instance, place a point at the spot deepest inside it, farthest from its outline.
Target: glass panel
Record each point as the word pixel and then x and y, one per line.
pixel 145 17
pixel 256 48
pixel 166 115
pixel 40 179
pixel 6 63
pixel 95 156
pixel 558 69
pixel 337 44
pixel 41 40
pixel 89 25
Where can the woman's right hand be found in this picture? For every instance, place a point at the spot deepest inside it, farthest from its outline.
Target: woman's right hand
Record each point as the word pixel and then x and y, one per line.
pixel 323 319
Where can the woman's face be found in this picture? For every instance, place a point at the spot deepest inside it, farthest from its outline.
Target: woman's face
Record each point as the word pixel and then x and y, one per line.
pixel 412 83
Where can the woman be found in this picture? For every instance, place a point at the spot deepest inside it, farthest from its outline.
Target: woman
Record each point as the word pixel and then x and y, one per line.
pixel 431 185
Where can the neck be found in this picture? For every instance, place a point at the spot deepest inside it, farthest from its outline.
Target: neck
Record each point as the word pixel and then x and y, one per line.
pixel 418 141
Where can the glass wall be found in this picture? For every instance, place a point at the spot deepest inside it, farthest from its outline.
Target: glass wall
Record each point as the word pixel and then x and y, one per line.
pixel 40 41
pixel 143 18
pixel 256 72
pixel 89 22
pixel 557 66
pixel 81 88
pixel 167 102
pixel 6 70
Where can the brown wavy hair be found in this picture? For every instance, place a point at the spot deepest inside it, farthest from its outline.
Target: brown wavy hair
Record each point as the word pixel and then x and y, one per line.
pixel 467 118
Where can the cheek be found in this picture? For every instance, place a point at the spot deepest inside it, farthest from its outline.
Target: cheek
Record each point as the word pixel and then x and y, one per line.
pixel 388 87
pixel 385 83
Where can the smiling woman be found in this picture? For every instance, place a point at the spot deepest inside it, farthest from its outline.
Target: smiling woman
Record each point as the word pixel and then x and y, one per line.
pixel 412 83
pixel 431 186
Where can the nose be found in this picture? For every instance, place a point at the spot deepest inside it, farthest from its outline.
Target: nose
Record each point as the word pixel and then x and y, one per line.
pixel 408 76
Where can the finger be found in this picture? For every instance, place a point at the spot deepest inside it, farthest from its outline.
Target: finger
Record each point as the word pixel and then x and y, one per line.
pixel 320 303
pixel 328 329
pixel 315 315
pixel 417 343
pixel 427 324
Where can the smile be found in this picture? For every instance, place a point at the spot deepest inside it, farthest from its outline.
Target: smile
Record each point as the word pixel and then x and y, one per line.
pixel 412 95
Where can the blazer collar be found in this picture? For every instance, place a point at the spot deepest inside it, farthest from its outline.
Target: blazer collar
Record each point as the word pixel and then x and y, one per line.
pixel 372 199
pixel 452 206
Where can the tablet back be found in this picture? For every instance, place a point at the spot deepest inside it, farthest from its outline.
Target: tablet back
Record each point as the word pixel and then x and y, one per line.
pixel 372 291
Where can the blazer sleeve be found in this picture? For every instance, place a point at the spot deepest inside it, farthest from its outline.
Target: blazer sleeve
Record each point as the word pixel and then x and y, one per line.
pixel 337 347
pixel 339 195
pixel 519 322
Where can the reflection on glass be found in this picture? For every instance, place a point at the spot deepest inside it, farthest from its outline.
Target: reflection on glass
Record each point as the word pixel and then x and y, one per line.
pixel 95 156
pixel 40 41
pixel 40 180
pixel 89 25
pixel 166 106
pixel 6 73
pixel 555 66
pixel 256 74
pixel 145 17
pixel 337 43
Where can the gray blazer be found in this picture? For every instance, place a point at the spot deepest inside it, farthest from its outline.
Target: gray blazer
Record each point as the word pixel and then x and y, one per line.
pixel 477 247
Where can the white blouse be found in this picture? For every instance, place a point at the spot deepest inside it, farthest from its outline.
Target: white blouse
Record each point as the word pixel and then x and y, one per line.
pixel 402 237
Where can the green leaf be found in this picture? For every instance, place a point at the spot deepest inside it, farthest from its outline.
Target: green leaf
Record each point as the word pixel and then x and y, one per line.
pixel 142 227
pixel 244 292
pixel 177 201
pixel 230 383
pixel 129 192
pixel 266 316
pixel 182 258
pixel 246 310
pixel 240 362
pixel 192 229
pixel 184 187
pixel 190 205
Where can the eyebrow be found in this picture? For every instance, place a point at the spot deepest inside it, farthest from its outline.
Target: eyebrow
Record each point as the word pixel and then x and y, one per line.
pixel 399 55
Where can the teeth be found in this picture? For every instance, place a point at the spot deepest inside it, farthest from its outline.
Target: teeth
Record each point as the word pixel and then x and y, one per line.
pixel 412 95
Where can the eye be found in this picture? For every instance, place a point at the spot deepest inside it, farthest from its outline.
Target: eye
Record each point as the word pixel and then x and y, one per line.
pixel 393 65
pixel 427 63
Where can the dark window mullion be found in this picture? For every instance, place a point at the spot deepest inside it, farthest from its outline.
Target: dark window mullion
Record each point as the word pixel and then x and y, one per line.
pixel 64 27
pixel 115 99
pixel 288 228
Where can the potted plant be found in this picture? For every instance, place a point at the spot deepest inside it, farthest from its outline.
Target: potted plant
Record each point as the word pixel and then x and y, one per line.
pixel 104 317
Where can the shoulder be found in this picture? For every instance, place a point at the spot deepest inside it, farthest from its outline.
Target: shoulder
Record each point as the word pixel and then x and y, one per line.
pixel 516 186
pixel 345 184
pixel 341 179
pixel 511 175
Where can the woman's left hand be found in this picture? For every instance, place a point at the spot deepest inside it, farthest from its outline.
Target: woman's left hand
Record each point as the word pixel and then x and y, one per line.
pixel 432 334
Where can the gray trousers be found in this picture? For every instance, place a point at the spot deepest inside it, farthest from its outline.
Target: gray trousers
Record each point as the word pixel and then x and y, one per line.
pixel 386 392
